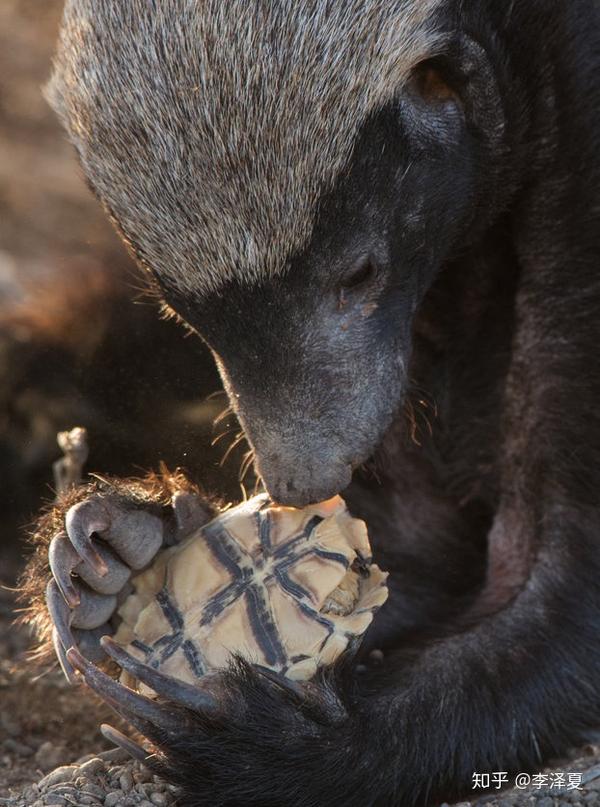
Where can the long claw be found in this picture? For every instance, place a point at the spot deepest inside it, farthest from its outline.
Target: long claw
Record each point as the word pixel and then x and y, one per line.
pixel 280 680
pixel 122 698
pixel 82 521
pixel 122 741
pixel 63 560
pixel 60 614
pixel 62 658
pixel 185 695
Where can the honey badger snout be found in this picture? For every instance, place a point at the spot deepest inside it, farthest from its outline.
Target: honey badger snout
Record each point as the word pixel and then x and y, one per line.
pixel 309 434
pixel 301 456
pixel 301 473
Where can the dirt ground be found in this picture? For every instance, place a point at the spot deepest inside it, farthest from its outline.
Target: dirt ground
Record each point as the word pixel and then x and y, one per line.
pixel 51 234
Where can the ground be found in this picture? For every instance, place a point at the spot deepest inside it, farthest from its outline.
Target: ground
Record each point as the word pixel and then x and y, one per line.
pixel 54 374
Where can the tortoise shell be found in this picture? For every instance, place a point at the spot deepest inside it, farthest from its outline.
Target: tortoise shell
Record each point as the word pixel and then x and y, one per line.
pixel 286 588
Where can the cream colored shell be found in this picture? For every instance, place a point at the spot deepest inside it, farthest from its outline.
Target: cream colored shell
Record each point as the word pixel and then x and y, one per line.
pixel 286 588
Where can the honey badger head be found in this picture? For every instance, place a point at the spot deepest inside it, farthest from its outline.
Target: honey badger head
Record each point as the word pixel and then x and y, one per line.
pixel 293 175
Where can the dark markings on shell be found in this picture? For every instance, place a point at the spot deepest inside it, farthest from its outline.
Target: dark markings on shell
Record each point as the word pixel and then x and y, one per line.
pixel 192 656
pixel 264 626
pixel 225 548
pixel 290 586
pixel 217 604
pixel 318 617
pixel 263 524
pixel 240 565
pixel 144 648
pixel 170 610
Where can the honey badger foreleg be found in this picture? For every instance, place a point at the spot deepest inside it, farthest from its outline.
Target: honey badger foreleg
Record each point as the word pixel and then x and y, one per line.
pixel 88 544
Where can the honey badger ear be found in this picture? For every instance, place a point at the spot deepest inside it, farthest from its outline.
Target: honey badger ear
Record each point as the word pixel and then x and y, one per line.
pixel 459 85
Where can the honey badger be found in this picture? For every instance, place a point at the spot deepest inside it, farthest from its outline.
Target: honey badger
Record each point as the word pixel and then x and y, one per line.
pixel 353 202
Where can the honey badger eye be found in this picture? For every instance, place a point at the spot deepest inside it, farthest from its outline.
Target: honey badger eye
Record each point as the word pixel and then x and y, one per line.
pixel 361 273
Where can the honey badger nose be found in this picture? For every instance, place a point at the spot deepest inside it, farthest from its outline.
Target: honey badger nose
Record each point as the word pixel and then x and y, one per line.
pixel 297 486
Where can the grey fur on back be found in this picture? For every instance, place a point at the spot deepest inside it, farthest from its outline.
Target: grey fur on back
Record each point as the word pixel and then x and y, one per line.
pixel 210 128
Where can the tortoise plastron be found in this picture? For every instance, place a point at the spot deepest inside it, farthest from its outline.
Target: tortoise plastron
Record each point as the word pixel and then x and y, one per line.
pixel 285 588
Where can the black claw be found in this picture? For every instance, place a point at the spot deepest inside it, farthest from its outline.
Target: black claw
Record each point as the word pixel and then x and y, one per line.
pixel 185 695
pixel 63 560
pixel 280 680
pixel 124 700
pixel 122 741
pixel 82 520
pixel 60 614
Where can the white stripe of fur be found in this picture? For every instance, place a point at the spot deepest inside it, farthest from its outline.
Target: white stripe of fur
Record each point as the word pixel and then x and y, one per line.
pixel 211 128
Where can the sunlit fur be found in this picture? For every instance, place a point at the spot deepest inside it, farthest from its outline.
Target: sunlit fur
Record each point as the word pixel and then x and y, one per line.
pixel 285 87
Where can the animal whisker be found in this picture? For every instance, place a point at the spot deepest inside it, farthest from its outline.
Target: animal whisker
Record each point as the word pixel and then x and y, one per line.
pixel 239 438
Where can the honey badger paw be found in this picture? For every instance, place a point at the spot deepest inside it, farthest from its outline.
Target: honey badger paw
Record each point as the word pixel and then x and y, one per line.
pixel 242 736
pixel 94 539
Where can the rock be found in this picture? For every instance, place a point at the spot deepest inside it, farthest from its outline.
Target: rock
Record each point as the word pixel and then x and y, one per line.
pixel 159 799
pixel 85 758
pixel 53 798
pixel 93 790
pixel 92 767
pixel 65 773
pixel 126 782
pixel 113 798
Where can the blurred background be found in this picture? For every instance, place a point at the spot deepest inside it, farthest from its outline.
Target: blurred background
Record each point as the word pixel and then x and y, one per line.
pixel 80 342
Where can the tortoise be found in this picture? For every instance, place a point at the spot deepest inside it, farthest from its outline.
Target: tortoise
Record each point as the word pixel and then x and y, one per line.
pixel 285 588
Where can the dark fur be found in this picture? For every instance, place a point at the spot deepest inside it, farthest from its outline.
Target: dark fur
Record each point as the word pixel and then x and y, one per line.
pixel 480 205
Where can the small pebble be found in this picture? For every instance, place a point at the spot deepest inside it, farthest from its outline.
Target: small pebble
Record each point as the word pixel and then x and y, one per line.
pixel 53 798
pixel 113 798
pixel 93 766
pixel 159 799
pixel 146 804
pixel 126 782
pixel 86 758
pixel 65 773
pixel 94 790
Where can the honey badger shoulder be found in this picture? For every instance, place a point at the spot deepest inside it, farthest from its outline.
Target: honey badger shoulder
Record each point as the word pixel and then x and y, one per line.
pixel 382 219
